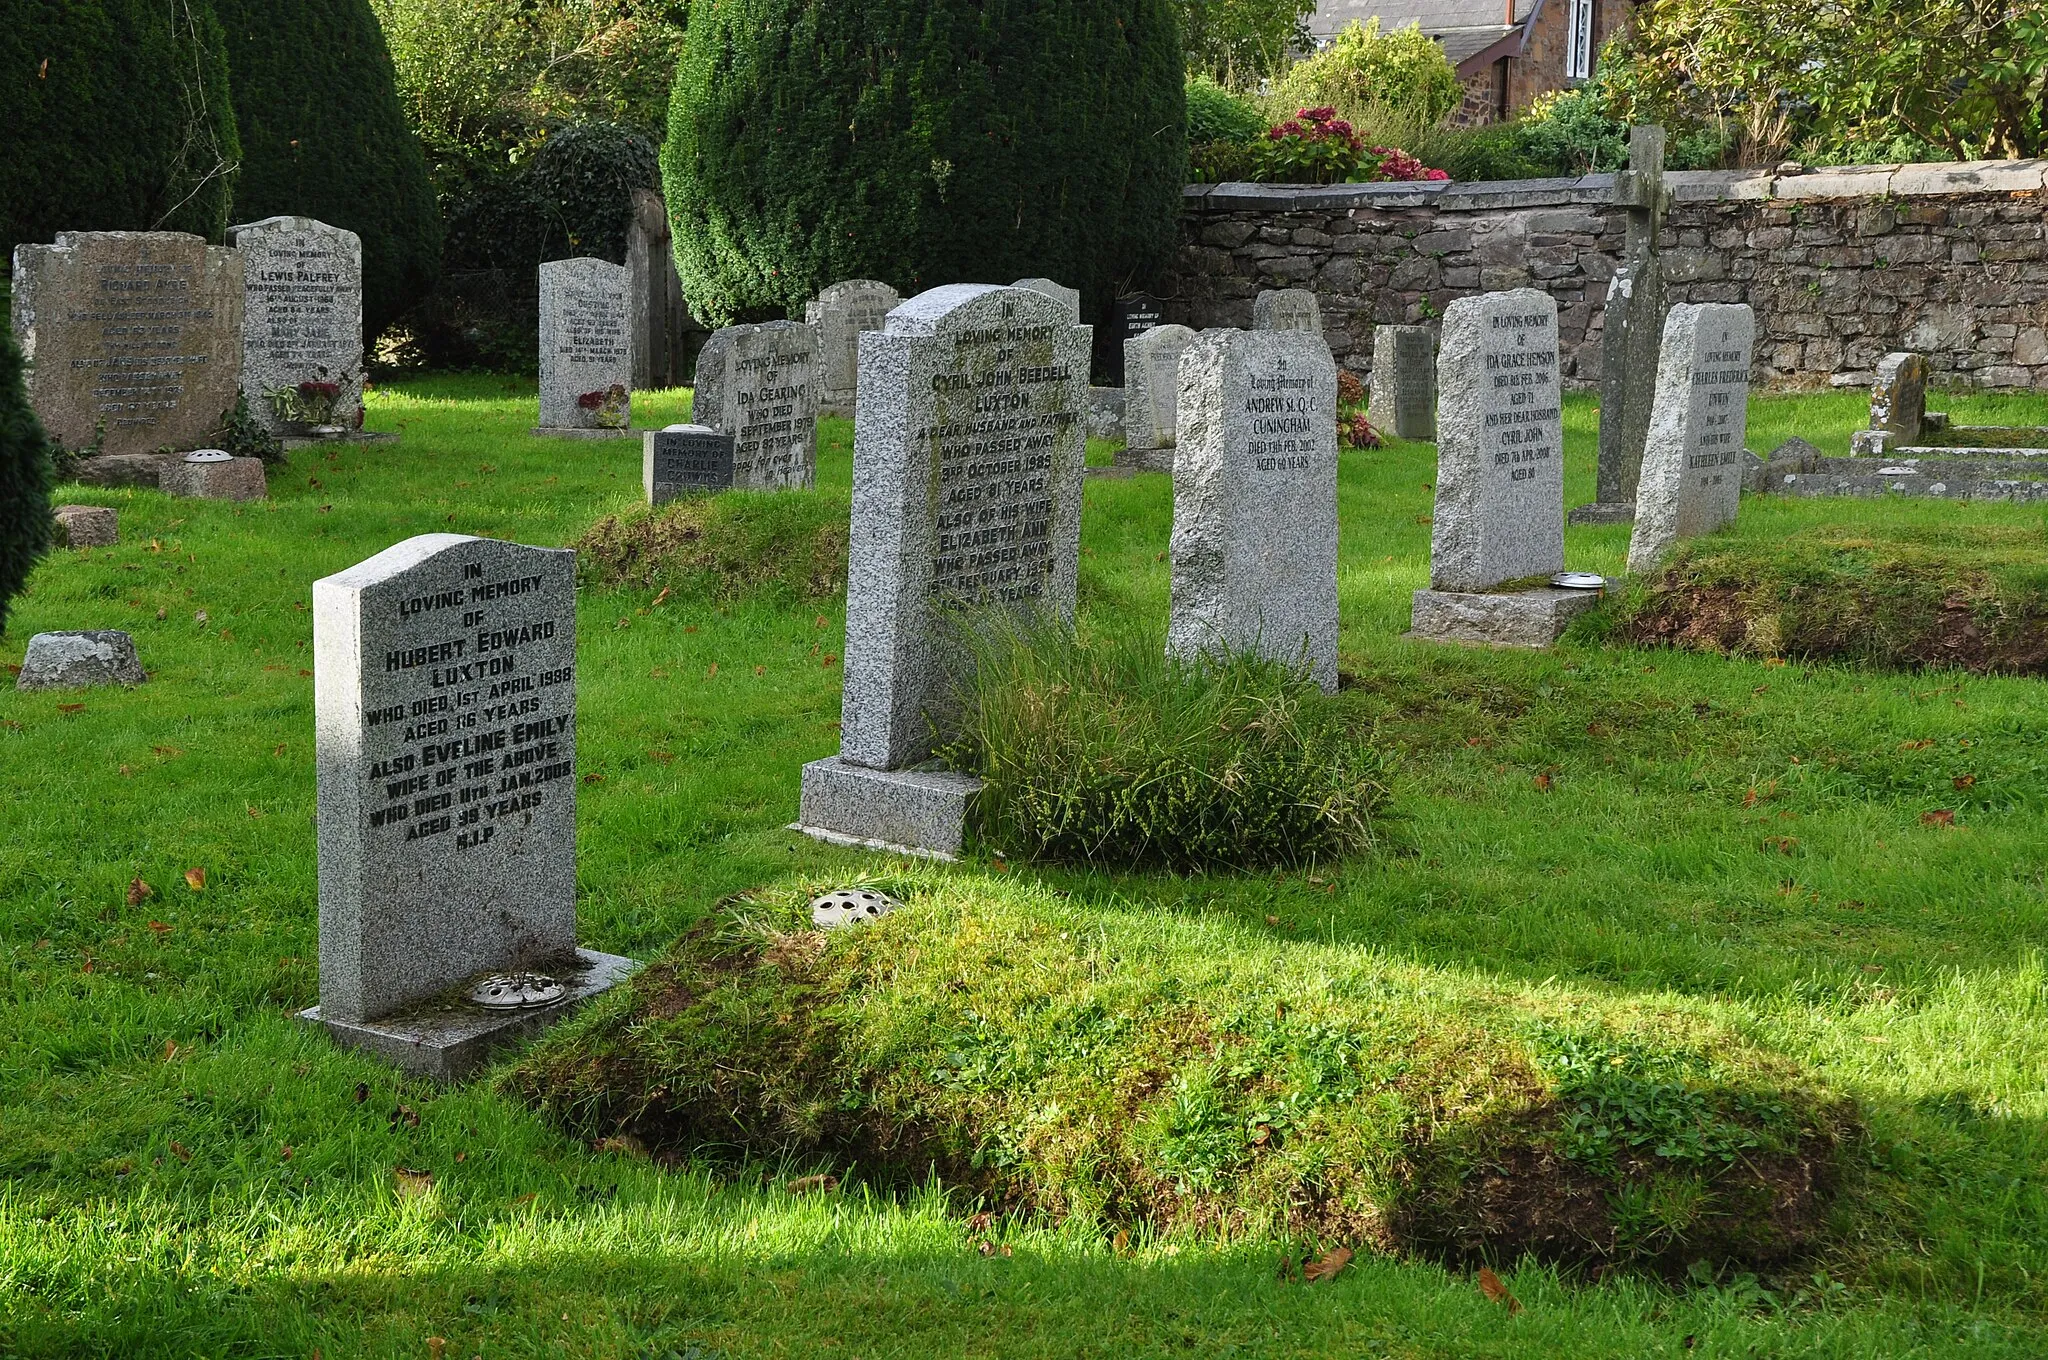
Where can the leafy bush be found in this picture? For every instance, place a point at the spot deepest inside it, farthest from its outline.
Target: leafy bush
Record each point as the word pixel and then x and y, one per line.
pixel 324 136
pixel 1110 753
pixel 1219 115
pixel 1491 151
pixel 923 142
pixel 1242 42
pixel 117 118
pixel 1402 74
pixel 1571 132
pixel 582 179
pixel 244 436
pixel 26 528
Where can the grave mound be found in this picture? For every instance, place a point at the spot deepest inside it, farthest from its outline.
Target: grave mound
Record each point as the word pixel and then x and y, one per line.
pixel 725 547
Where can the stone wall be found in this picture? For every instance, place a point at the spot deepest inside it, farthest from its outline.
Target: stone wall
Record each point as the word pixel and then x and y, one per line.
pixel 1841 265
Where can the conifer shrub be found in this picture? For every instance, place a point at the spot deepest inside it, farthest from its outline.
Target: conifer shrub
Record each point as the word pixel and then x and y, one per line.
pixel 324 136
pixel 117 118
pixel 923 142
pixel 26 528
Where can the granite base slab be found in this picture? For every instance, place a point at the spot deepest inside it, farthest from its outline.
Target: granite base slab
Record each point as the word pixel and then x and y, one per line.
pixel 917 812
pixel 1146 460
pixel 235 479
pixel 581 432
pixel 121 469
pixel 1523 618
pixel 448 1041
pixel 1603 512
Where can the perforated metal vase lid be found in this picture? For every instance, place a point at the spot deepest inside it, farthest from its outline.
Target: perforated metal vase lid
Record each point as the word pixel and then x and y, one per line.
pixel 849 906
pixel 1579 580
pixel 208 456
pixel 515 991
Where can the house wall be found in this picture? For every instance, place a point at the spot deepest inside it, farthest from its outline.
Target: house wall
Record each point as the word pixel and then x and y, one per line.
pixel 1841 266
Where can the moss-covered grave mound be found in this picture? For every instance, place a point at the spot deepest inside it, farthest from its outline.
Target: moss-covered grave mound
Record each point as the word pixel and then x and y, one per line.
pixel 788 545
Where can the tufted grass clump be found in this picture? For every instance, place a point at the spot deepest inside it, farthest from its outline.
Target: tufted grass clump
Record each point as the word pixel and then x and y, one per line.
pixel 789 546
pixel 1108 752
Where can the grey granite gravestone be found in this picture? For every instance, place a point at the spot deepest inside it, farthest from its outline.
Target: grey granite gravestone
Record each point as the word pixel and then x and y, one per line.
pixel 967 469
pixel 1499 476
pixel 1632 327
pixel 842 312
pixel 136 335
pixel 759 383
pixel 1403 398
pixel 1068 298
pixel 685 460
pixel 1898 398
pixel 1254 545
pixel 1693 464
pixel 1152 397
pixel 103 656
pixel 444 698
pixel 302 318
pixel 586 349
pixel 1287 309
pixel 88 526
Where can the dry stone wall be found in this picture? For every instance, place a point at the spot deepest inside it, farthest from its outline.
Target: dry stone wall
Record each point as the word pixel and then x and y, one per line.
pixel 1841 266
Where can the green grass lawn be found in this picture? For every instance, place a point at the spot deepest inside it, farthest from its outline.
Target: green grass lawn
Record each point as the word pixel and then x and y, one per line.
pixel 1725 847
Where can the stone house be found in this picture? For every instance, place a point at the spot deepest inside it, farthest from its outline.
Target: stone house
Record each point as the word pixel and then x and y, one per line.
pixel 1506 51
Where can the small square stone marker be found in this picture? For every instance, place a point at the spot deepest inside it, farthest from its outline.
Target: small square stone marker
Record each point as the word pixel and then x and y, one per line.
pixel 1500 477
pixel 1254 543
pixel 685 460
pixel 444 697
pixel 1692 464
pixel 1287 309
pixel 1152 396
pixel 586 349
pixel 759 384
pixel 1403 398
pixel 88 526
pixel 967 469
pixel 103 656
pixel 210 474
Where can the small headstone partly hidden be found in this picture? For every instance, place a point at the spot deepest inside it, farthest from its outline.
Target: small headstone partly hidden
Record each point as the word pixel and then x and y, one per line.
pixel 1898 405
pixel 211 474
pixel 1152 397
pixel 1499 477
pixel 967 470
pixel 88 526
pixel 1403 396
pixel 842 312
pixel 76 660
pixel 444 698
pixel 1254 544
pixel 1693 464
pixel 1632 329
pixel 1068 298
pixel 133 338
pixel 302 324
pixel 759 384
pixel 1287 309
pixel 586 351
pixel 1131 316
pixel 685 460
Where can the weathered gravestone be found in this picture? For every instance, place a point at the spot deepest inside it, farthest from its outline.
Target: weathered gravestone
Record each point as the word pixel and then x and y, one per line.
pixel 1693 464
pixel 1068 298
pixel 1499 477
pixel 658 318
pixel 133 338
pixel 586 349
pixel 87 526
pixel 444 696
pixel 103 656
pixel 302 323
pixel 759 384
pixel 1898 405
pixel 967 470
pixel 1287 309
pixel 685 460
pixel 1403 398
pixel 1152 397
pixel 1632 327
pixel 1254 544
pixel 842 313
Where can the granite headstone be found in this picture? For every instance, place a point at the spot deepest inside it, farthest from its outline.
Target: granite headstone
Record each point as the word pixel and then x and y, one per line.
pixel 1152 396
pixel 1254 546
pixel 586 350
pixel 1692 464
pixel 1403 396
pixel 302 318
pixel 759 383
pixel 841 313
pixel 1068 298
pixel 135 334
pixel 1287 309
pixel 1131 316
pixel 685 460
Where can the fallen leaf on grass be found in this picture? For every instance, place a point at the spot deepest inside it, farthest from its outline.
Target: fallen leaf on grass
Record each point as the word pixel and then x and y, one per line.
pixel 593 778
pixel 435 1346
pixel 406 1115
pixel 284 1151
pixel 1919 745
pixel 1325 1267
pixel 1938 817
pixel 195 879
pixel 71 708
pixel 820 623
pixel 1121 1243
pixel 760 670
pixel 661 757
pixel 362 1091
pixel 171 1050
pixel 987 1248
pixel 254 812
pixel 160 927
pixel 807 1185
pixel 659 598
pixel 180 1151
pixel 137 891
pixel 1964 781
pixel 831 660
pixel 411 1184
pixel 1490 1285
pixel 712 674
pixel 168 751
pixel 1543 783
pixel 980 1222
pixel 1272 920
pixel 126 772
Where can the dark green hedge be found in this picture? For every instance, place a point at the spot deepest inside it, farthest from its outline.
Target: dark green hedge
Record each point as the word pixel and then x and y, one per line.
pixel 116 117
pixel 25 477
pixel 923 142
pixel 324 136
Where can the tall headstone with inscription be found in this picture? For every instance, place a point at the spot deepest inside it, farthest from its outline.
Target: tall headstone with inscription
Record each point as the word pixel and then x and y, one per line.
pixel 586 349
pixel 133 338
pixel 1632 327
pixel 302 323
pixel 1693 463
pixel 759 384
pixel 842 313
pixel 1152 397
pixel 444 698
pixel 1068 298
pixel 1499 477
pixel 1403 396
pixel 967 469
pixel 1254 545
pixel 1287 309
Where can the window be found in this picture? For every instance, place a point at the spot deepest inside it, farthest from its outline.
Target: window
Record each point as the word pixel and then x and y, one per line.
pixel 1578 49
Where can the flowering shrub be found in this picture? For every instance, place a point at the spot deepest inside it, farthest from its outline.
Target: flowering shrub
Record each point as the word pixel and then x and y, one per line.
pixel 1354 432
pixel 609 407
pixel 311 402
pixel 1313 147
pixel 1396 164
